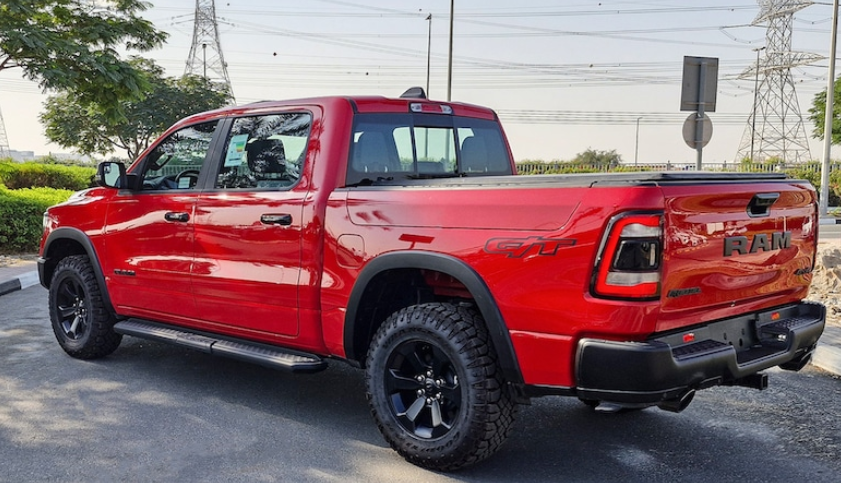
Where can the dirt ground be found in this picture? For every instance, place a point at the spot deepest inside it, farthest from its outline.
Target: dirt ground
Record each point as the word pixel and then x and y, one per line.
pixel 826 280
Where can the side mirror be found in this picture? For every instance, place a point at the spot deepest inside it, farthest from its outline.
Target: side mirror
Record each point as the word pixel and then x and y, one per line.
pixel 110 174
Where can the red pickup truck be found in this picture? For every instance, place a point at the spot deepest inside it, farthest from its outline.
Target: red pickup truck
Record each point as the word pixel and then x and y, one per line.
pixel 393 234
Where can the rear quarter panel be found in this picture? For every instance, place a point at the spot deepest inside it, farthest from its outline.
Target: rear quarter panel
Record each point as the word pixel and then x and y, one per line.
pixel 534 248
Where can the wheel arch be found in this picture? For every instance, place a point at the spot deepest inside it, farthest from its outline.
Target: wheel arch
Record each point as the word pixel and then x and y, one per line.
pixel 358 332
pixel 65 242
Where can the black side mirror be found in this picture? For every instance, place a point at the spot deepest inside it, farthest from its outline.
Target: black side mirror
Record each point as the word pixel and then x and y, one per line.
pixel 110 174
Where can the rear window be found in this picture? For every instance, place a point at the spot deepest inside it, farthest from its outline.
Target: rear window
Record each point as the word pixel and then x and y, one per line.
pixel 395 147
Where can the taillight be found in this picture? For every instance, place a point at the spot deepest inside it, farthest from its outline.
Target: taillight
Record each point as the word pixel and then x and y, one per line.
pixel 628 266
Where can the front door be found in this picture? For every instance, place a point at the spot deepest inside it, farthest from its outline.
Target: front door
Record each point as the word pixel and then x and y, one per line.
pixel 149 235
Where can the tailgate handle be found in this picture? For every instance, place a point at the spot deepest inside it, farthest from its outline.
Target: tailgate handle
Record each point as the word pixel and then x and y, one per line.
pixel 760 204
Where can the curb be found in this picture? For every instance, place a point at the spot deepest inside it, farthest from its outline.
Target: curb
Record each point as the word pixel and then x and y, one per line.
pixel 828 353
pixel 20 282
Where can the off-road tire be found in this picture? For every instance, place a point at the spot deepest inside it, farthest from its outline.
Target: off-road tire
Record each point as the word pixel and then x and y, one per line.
pixel 440 355
pixel 82 324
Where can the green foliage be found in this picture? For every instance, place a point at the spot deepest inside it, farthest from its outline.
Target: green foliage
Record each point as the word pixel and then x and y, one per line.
pixel 811 173
pixel 50 159
pixel 593 157
pixel 21 215
pixel 72 46
pixel 71 122
pixel 31 175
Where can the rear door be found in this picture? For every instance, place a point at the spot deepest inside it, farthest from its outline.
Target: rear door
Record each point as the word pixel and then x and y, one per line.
pixel 249 225
pixel 734 247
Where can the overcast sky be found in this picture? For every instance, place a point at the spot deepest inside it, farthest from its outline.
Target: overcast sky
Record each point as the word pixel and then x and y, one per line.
pixel 589 68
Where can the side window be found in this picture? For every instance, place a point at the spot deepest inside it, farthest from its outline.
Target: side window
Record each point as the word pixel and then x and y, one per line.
pixel 176 161
pixel 265 152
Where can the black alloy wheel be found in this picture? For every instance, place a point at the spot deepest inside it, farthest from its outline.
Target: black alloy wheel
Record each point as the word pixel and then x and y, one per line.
pixel 435 388
pixel 81 320
pixel 423 388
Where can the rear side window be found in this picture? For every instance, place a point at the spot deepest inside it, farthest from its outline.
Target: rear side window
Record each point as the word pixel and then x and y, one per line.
pixel 265 152
pixel 393 147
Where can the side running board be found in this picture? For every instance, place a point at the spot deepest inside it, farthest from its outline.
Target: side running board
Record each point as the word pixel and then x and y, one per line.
pixel 254 352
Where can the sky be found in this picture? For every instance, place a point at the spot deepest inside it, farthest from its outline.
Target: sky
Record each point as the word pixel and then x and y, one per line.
pixel 564 75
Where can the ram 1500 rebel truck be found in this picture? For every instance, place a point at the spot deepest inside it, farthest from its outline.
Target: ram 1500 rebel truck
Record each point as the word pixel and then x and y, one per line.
pixel 394 235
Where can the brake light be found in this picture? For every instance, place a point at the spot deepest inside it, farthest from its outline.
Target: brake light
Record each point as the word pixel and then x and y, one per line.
pixel 430 108
pixel 628 266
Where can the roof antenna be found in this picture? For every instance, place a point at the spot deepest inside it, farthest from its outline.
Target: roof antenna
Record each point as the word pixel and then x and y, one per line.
pixel 414 93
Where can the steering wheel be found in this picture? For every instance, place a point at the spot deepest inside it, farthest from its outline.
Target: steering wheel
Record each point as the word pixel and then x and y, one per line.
pixel 193 174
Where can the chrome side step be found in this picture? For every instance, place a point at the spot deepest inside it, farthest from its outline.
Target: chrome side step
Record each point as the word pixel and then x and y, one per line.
pixel 244 350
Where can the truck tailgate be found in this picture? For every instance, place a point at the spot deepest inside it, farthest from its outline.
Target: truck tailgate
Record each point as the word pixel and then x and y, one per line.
pixel 735 246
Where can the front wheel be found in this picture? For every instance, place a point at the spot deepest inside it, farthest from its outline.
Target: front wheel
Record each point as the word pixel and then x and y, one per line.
pixel 81 322
pixel 435 388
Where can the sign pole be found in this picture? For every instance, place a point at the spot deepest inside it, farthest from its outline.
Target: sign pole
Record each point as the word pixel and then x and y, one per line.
pixel 699 121
pixel 823 207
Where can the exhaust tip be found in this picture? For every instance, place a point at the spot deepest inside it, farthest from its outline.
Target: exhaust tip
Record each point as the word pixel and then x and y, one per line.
pixel 798 363
pixel 679 403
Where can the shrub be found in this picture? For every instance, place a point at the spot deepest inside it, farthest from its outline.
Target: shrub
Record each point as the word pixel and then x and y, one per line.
pixel 34 175
pixel 21 216
pixel 812 174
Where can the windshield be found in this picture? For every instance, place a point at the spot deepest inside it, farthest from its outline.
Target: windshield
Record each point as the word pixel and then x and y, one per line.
pixel 389 147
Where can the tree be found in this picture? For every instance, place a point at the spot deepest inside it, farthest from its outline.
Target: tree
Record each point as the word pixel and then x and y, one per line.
pixel 71 46
pixel 817 113
pixel 592 157
pixel 73 123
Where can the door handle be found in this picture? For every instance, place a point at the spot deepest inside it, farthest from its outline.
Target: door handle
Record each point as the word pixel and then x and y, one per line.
pixel 282 219
pixel 175 216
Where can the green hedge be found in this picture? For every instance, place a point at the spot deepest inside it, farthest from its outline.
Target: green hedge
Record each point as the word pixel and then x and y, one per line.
pixel 814 176
pixel 21 216
pixel 33 175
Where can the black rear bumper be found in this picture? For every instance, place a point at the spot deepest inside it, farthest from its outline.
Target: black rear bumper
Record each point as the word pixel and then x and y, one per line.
pixel 730 351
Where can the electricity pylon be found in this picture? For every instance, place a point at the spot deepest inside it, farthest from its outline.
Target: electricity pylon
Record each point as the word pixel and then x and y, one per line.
pixel 775 127
pixel 206 57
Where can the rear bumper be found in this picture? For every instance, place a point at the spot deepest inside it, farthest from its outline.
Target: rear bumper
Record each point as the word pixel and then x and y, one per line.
pixel 723 352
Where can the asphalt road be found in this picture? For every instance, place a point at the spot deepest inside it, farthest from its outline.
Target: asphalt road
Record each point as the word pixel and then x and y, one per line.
pixel 152 412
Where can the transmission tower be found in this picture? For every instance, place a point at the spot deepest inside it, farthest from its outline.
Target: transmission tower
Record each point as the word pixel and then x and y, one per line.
pixel 5 152
pixel 775 127
pixel 206 57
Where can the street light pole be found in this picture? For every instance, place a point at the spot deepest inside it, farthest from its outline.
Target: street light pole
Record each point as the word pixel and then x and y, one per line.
pixel 755 101
pixel 450 60
pixel 428 52
pixel 204 58
pixel 828 115
pixel 637 143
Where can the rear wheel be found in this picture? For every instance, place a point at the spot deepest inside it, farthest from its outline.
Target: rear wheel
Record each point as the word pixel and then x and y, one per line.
pixel 435 388
pixel 81 322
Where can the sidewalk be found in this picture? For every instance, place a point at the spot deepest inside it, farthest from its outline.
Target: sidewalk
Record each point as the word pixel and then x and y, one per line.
pixel 827 356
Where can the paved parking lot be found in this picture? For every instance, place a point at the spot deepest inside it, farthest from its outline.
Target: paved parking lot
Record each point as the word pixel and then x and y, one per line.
pixel 152 412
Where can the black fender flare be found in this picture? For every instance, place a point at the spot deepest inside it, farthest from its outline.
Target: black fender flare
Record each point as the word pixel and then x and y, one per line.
pixel 78 236
pixel 453 267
